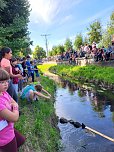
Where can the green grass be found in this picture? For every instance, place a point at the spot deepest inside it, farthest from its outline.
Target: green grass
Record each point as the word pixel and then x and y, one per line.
pixel 39 123
pixel 90 72
pixel 45 67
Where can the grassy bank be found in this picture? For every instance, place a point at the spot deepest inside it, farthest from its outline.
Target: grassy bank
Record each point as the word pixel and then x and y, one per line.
pixel 45 67
pixel 90 72
pixel 39 123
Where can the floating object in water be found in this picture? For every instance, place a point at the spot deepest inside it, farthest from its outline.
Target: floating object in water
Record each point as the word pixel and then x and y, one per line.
pixel 78 125
pixel 63 120
pixel 71 121
pixel 83 146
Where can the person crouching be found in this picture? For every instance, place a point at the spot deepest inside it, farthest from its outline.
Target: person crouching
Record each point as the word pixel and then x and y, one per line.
pixel 31 92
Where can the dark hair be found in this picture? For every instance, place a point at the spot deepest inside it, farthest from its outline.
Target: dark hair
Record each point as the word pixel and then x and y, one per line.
pixel 18 59
pixel 38 87
pixel 4 75
pixel 24 58
pixel 5 50
pixel 28 57
pixel 13 59
pixel 31 62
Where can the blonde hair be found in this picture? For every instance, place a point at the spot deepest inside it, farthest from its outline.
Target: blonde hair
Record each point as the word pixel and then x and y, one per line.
pixel 4 75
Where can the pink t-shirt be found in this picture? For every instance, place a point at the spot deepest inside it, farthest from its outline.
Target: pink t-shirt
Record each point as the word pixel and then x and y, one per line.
pixel 7 133
pixel 6 63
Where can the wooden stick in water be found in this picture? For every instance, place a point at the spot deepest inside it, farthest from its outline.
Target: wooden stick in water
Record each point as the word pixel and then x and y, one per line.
pixel 109 138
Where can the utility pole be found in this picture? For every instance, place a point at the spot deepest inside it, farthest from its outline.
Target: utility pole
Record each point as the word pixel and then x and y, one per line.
pixel 46 42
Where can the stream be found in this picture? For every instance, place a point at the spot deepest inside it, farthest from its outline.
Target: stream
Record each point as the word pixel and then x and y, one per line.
pixel 88 104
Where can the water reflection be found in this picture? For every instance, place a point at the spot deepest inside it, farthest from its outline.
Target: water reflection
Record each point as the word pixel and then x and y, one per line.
pixel 99 101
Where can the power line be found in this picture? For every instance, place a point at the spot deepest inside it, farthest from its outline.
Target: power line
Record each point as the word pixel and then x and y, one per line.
pixel 46 41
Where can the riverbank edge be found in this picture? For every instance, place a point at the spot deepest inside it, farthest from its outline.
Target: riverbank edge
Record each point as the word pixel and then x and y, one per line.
pixel 70 74
pixel 38 122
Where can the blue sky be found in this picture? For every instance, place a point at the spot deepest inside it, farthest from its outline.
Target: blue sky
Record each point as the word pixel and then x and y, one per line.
pixel 65 19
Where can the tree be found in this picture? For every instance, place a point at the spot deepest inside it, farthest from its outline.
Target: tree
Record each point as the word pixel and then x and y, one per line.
pixel 54 50
pixel 39 53
pixel 68 44
pixel 107 34
pixel 78 41
pixel 95 32
pixel 60 49
pixel 50 53
pixel 14 25
pixel 106 40
pixel 86 40
pixel 110 28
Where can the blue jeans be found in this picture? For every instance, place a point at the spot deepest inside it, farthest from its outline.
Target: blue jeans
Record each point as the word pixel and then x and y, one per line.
pixel 12 91
pixel 15 87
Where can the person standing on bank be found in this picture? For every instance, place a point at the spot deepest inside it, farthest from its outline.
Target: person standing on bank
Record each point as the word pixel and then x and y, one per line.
pixel 6 54
pixel 10 138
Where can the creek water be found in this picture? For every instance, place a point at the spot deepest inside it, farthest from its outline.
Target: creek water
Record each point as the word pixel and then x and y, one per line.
pixel 86 104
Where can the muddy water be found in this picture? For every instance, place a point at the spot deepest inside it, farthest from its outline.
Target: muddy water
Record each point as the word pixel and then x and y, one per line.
pixel 86 104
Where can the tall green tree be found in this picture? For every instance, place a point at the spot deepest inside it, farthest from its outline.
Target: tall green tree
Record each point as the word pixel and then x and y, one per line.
pixel 60 49
pixel 110 28
pixel 54 50
pixel 78 41
pixel 68 44
pixel 107 34
pixel 106 39
pixel 39 53
pixel 86 40
pixel 95 32
pixel 14 18
pixel 50 53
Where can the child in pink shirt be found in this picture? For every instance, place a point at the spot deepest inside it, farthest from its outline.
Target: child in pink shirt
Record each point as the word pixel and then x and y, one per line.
pixel 10 139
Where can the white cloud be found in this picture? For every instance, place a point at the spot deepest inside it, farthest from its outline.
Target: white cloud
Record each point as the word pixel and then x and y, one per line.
pixel 42 10
pixel 47 10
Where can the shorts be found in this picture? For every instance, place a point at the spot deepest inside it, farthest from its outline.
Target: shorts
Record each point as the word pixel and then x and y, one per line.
pixel 27 96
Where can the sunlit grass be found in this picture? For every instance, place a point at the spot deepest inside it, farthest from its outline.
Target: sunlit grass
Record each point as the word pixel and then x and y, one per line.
pixel 45 67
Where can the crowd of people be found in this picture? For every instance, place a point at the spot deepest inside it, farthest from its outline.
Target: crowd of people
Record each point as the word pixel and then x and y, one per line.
pixel 16 81
pixel 89 51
